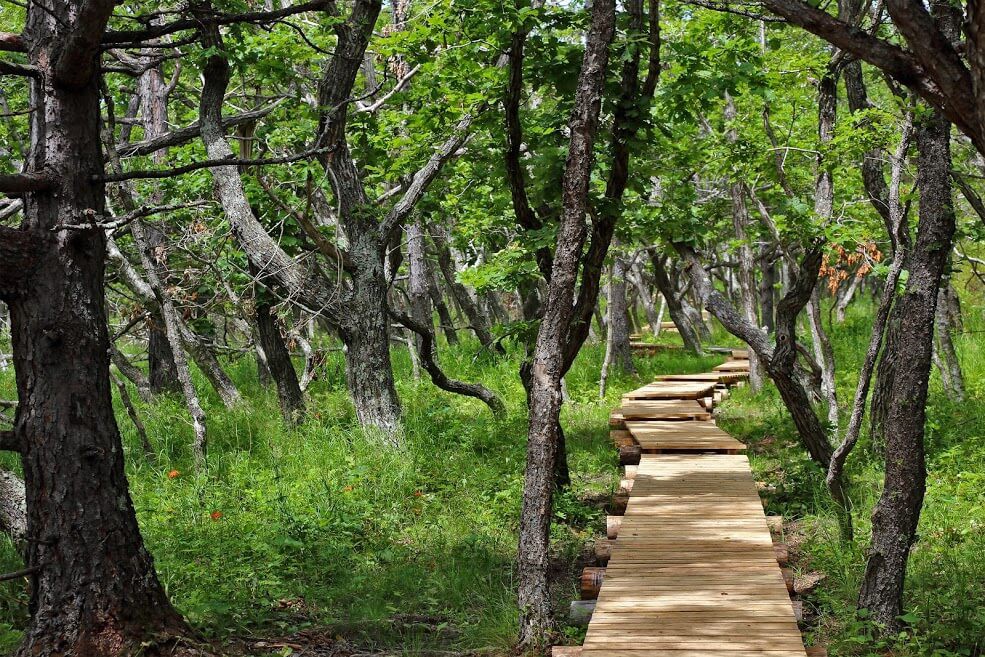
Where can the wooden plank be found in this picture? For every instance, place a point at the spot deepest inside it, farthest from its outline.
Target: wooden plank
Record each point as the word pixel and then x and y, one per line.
pixel 662 409
pixel 681 435
pixel 672 390
pixel 693 571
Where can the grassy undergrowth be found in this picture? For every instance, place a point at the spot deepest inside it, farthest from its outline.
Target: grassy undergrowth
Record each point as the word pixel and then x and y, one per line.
pixel 945 602
pixel 413 549
pixel 322 527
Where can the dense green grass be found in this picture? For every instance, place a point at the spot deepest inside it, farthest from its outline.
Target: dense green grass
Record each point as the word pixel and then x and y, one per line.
pixel 414 548
pixel 324 527
pixel 946 577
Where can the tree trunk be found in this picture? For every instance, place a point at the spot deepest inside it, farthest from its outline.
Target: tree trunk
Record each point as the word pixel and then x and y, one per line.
pixel 547 367
pixel 94 591
pixel 366 334
pixel 951 366
pixel 674 306
pixel 162 372
pixel 895 518
pixel 478 322
pixel 767 290
pixel 635 276
pixel 13 511
pixel 841 305
pixel 417 283
pixel 278 362
pixel 618 334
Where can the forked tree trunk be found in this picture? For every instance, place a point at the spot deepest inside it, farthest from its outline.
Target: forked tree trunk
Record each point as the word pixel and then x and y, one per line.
pixel 94 591
pixel 677 314
pixel 895 518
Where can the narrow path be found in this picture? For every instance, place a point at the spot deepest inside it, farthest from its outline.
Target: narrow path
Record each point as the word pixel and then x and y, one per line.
pixel 694 570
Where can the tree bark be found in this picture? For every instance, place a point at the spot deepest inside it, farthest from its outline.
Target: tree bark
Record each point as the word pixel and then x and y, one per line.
pixel 278 361
pixel 95 591
pixel 478 322
pixel 951 366
pixel 13 508
pixel 548 361
pixel 618 333
pixel 680 318
pixel 895 518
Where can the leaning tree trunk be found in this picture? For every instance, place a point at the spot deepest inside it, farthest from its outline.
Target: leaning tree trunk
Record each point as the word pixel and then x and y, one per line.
pixel 677 313
pixel 547 367
pixel 278 362
pixel 94 590
pixel 895 518
pixel 478 322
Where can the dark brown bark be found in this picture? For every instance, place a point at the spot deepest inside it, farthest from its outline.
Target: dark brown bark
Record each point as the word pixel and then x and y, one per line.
pixel 548 363
pixel 279 364
pixel 895 518
pixel 429 360
pixel 95 592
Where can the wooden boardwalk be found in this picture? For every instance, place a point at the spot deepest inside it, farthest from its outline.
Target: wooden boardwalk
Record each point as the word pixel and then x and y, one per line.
pixel 693 570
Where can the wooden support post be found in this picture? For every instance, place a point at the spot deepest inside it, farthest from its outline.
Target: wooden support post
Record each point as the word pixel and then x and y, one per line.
pixel 603 550
pixel 630 471
pixel 782 553
pixel 612 525
pixel 798 610
pixel 621 437
pixel 630 455
pixel 775 523
pixel 591 582
pixel 619 503
pixel 580 612
pixel 788 579
pixel 817 651
pixel 626 485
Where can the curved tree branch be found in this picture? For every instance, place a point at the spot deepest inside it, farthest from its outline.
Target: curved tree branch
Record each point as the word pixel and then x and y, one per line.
pixel 438 377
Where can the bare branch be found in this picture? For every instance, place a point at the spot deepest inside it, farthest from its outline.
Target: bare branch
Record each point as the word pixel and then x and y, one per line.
pixel 23 183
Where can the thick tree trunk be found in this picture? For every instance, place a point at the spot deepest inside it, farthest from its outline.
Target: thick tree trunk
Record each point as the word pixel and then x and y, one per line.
pixel 366 334
pixel 278 362
pixel 163 374
pixel 548 363
pixel 895 518
pixel 94 591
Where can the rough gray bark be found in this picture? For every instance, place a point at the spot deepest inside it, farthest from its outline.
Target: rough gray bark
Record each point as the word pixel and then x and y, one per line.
pixel 895 518
pixel 899 237
pixel 13 508
pixel 827 100
pixel 677 314
pixel 846 297
pixel 950 366
pixel 94 590
pixel 548 361
pixel 618 315
pixel 635 276
pixel 745 276
pixel 417 282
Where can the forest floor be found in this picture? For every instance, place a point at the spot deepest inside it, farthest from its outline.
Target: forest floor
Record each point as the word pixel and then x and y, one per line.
pixel 318 541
